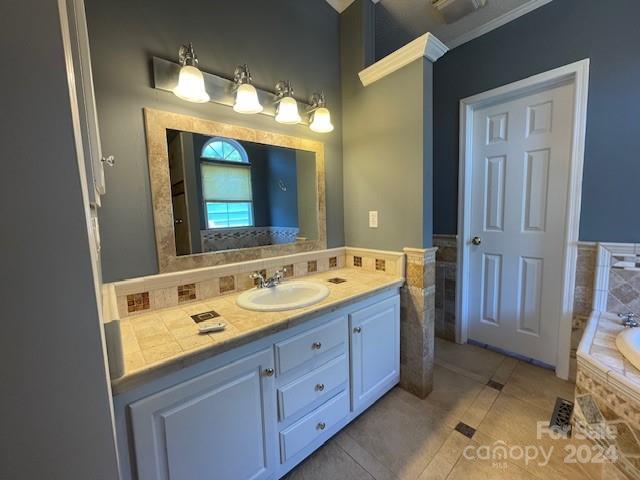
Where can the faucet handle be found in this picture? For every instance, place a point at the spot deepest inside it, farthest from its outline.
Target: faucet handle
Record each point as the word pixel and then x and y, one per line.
pixel 258 276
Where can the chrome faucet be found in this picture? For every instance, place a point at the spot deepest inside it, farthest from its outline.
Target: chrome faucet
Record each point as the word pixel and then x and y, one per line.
pixel 629 320
pixel 269 282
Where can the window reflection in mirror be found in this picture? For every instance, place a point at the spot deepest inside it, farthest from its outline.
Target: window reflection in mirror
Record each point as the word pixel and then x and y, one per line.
pixel 230 194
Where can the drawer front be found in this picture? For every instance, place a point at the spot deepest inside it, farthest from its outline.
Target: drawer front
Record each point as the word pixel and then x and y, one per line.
pixel 313 426
pixel 320 382
pixel 330 337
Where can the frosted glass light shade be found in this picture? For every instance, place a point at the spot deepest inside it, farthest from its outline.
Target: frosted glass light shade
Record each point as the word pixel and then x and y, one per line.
pixel 247 99
pixel 288 111
pixel 191 85
pixel 321 121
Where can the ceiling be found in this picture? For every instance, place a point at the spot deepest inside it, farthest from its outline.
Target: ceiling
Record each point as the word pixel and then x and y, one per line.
pixel 400 21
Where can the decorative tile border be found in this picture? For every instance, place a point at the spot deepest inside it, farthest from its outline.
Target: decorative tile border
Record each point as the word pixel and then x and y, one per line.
pixel 156 124
pixel 170 289
pixel 186 293
pixel 137 302
pixel 215 240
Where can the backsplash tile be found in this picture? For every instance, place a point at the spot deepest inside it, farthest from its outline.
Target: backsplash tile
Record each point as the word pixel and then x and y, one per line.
pixel 169 290
pixel 137 302
pixel 227 284
pixel 186 293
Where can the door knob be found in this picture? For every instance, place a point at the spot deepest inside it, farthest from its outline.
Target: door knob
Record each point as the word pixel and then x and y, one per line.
pixel 178 221
pixel 268 372
pixel 476 240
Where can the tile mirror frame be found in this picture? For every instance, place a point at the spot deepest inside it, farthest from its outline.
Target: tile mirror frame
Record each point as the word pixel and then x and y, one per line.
pixel 157 123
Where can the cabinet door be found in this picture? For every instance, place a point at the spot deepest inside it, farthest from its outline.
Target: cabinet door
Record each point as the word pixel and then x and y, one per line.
pixel 220 425
pixel 375 351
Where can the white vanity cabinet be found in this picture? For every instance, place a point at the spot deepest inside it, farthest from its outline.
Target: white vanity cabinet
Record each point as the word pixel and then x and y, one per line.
pixel 261 413
pixel 218 425
pixel 375 351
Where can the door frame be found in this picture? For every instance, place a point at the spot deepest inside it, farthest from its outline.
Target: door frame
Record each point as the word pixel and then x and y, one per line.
pixel 578 74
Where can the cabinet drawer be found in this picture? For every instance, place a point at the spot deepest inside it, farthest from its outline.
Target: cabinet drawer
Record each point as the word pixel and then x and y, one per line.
pixel 311 427
pixel 314 385
pixel 325 339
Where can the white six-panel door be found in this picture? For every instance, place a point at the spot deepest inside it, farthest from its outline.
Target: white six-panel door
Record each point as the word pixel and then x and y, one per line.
pixel 520 171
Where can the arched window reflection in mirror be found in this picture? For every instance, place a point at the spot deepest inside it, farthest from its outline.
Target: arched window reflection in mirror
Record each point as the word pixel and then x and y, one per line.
pixel 226 184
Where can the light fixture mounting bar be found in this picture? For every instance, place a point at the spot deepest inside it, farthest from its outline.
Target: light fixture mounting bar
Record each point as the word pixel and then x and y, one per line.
pixel 221 90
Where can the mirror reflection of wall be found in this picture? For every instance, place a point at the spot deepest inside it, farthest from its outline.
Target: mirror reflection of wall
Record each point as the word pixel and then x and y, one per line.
pixel 230 194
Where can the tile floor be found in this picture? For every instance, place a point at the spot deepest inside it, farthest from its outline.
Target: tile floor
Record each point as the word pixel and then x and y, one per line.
pixel 403 437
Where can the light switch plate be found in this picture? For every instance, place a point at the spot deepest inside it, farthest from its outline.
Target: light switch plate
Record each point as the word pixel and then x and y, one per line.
pixel 373 219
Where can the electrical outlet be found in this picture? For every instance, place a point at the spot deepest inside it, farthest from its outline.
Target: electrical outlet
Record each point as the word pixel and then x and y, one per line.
pixel 373 219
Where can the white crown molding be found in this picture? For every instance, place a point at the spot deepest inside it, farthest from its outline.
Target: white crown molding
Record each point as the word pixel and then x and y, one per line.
pixel 497 22
pixel 426 45
pixel 341 5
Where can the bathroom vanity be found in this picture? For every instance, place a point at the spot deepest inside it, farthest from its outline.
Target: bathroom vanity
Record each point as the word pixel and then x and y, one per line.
pixel 269 392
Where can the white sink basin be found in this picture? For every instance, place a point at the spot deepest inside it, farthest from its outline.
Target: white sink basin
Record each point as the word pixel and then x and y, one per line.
pixel 628 342
pixel 286 296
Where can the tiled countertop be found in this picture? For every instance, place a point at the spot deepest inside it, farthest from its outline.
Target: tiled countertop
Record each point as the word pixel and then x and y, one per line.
pixel 598 348
pixel 167 340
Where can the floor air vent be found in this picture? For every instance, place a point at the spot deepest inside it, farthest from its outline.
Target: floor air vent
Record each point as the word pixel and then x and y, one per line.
pixel 561 417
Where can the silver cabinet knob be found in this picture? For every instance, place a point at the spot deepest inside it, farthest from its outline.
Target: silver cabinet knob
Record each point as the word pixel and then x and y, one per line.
pixel 476 241
pixel 316 345
pixel 357 330
pixel 321 426
pixel 320 387
pixel 269 372
pixel 178 221
pixel 109 161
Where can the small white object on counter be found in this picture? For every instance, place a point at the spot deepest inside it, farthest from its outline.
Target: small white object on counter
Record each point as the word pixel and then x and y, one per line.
pixel 211 326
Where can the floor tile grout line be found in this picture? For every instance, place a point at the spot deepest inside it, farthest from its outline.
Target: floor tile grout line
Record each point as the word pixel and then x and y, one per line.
pixel 436 454
pixel 356 461
pixel 393 475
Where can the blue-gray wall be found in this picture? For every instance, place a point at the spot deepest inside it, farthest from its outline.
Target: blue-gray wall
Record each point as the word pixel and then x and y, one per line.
pixel 387 144
pixel 271 205
pixel 56 414
pixel 559 33
pixel 288 39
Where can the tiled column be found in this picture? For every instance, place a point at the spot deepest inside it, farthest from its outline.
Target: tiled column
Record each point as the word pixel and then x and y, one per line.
pixel 417 322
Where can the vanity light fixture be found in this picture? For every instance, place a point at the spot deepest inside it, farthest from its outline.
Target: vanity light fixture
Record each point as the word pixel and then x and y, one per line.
pixel 246 94
pixel 320 117
pixel 190 80
pixel 286 105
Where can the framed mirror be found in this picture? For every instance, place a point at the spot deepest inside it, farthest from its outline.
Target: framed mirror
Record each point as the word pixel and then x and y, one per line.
pixel 224 194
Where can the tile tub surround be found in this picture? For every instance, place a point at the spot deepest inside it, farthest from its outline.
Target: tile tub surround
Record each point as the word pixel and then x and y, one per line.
pixel 608 390
pixel 446 284
pixel 157 343
pixel 417 321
